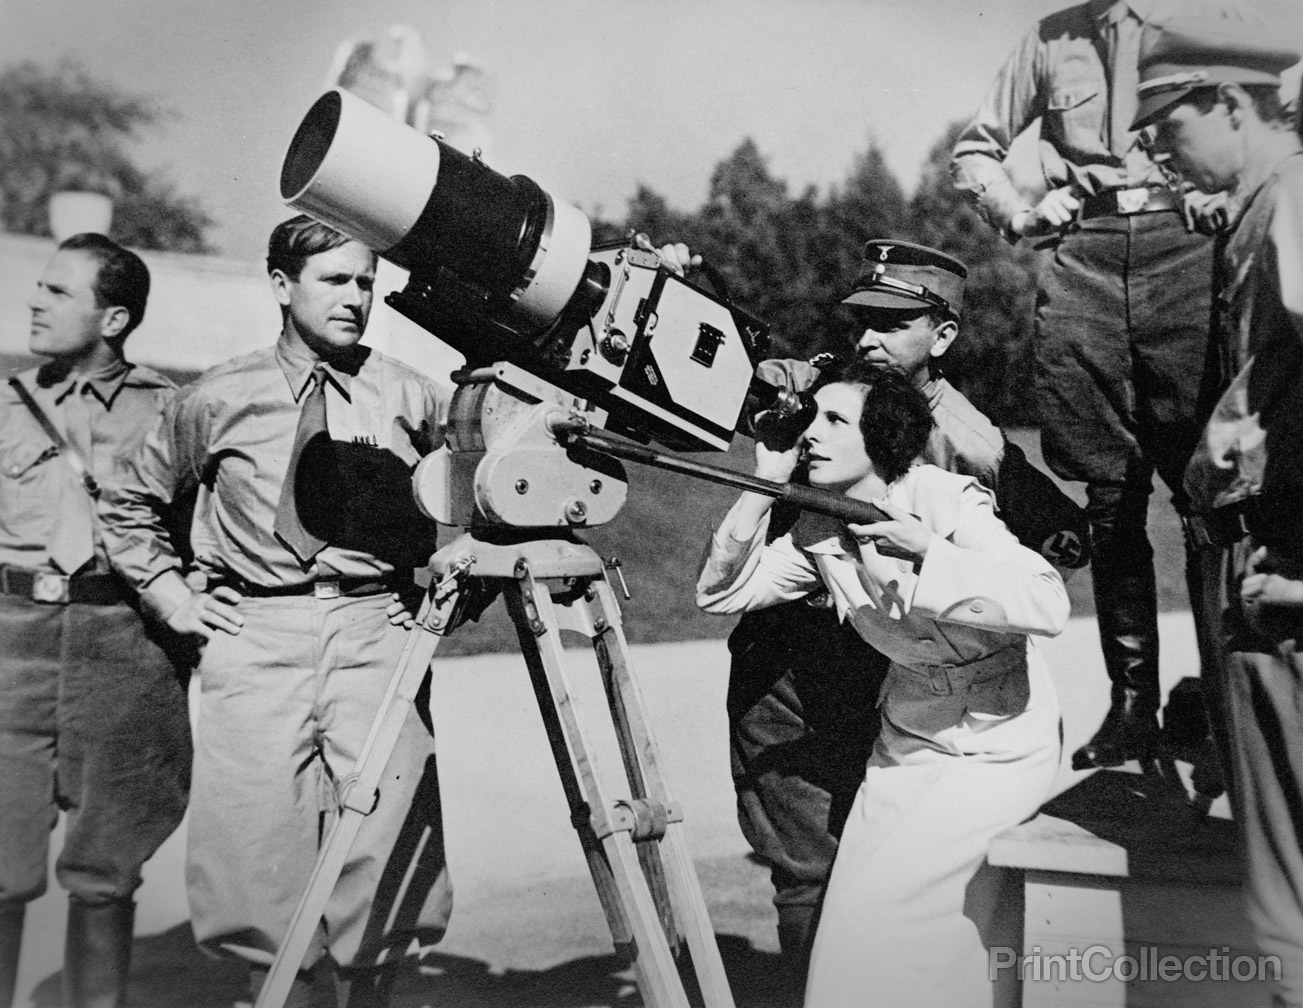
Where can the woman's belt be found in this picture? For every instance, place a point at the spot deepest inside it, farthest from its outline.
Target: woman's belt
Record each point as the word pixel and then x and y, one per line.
pixel 947 679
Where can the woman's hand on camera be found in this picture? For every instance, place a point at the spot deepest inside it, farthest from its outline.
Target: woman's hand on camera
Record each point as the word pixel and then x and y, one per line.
pixel 778 448
pixel 903 533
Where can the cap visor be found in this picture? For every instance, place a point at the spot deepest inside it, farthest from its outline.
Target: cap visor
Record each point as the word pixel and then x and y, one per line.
pixel 1152 107
pixel 883 299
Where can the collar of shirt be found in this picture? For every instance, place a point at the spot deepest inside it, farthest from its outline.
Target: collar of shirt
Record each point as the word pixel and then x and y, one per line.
pixel 105 382
pixel 1264 161
pixel 297 363
pixel 1113 11
pixel 932 390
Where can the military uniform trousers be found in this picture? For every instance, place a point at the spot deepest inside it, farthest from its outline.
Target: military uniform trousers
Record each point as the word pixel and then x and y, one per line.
pixel 912 907
pixel 803 717
pixel 1264 695
pixel 285 708
pixel 93 722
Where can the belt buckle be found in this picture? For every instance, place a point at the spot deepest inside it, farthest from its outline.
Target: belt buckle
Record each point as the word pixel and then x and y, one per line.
pixel 50 588
pixel 1132 201
pixel 326 589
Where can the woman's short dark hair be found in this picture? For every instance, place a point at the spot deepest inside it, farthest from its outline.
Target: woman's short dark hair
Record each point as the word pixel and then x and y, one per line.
pixel 895 421
pixel 122 280
pixel 296 240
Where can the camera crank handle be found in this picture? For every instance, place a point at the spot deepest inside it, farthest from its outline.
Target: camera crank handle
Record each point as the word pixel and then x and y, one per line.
pixel 615 565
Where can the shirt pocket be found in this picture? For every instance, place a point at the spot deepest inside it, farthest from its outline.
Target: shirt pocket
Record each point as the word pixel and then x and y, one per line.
pixel 25 489
pixel 1076 112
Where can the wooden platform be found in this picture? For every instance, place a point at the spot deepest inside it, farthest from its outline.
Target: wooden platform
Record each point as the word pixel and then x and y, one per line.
pixel 1131 899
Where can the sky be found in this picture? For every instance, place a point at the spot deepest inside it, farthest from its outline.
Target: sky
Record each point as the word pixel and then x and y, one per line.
pixel 590 97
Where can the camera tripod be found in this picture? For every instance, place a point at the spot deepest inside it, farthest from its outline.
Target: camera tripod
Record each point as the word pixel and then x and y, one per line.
pixel 633 845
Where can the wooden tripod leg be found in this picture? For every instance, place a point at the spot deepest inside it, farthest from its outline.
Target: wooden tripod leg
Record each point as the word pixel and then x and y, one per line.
pixel 616 874
pixel 629 716
pixel 606 636
pixel 359 793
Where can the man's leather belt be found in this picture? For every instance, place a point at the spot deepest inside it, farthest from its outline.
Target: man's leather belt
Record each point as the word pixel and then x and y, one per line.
pixel 323 588
pixel 60 589
pixel 1125 202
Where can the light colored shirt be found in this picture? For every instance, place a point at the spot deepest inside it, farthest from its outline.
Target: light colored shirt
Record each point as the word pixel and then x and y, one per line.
pixel 122 402
pixel 1060 73
pixel 969 604
pixel 230 435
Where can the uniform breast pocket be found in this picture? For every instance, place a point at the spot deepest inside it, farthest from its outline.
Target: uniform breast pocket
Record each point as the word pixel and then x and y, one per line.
pixel 1078 115
pixel 25 487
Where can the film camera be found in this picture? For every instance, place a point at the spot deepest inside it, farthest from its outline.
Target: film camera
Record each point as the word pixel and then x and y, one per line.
pixel 558 336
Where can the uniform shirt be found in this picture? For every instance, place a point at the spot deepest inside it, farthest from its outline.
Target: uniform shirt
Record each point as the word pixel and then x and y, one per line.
pixel 231 433
pixel 1060 73
pixel 963 441
pixel 123 403
pixel 1254 440
pixel 977 592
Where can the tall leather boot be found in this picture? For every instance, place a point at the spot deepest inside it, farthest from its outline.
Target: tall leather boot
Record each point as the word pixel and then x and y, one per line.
pixel 97 953
pixel 11 943
pixel 1126 607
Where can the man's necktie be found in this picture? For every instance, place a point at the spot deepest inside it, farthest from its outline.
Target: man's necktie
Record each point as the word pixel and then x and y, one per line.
pixel 72 543
pixel 1124 70
pixel 312 422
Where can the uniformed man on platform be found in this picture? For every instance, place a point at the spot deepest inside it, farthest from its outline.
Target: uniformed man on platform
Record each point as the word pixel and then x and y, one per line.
pixel 307 536
pixel 93 715
pixel 1124 376
pixel 1210 92
pixel 803 687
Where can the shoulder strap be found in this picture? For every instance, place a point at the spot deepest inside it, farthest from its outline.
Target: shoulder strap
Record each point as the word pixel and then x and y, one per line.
pixel 65 449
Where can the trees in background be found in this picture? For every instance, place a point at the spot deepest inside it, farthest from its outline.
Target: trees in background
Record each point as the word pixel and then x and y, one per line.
pixel 62 129
pixel 790 259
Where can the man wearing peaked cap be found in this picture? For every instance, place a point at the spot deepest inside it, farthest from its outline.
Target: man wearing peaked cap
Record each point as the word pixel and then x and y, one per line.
pixel 899 274
pixel 1185 55
pixel 803 687
pixel 1124 376
pixel 1212 97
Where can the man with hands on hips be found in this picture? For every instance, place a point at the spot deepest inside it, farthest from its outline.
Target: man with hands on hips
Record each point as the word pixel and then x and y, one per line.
pixel 305 540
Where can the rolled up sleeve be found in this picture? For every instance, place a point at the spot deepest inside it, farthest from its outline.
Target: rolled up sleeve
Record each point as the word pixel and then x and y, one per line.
pixel 134 507
pixel 1013 103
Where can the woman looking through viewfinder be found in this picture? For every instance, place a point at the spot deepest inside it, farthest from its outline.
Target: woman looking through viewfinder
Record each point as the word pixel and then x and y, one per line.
pixel 970 723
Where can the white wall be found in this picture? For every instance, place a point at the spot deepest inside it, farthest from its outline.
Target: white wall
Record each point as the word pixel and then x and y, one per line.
pixel 205 309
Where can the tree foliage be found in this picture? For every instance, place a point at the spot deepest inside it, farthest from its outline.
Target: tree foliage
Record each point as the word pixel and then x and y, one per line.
pixel 62 129
pixel 790 259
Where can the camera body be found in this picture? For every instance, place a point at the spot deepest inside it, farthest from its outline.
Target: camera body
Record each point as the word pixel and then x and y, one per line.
pixel 503 272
